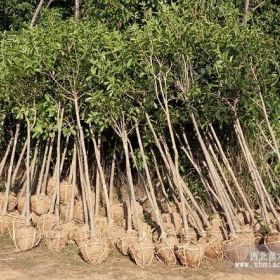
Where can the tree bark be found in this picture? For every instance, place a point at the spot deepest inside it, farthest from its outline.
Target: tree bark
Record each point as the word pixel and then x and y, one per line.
pixel 245 12
pixel 36 13
pixel 77 9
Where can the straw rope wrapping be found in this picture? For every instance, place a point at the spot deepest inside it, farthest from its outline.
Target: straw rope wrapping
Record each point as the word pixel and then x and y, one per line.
pixel 12 201
pixel 56 239
pixel 189 254
pixel 115 233
pixel 124 242
pixel 214 246
pixel 65 192
pixel 40 204
pixel 5 222
pixel 26 238
pixel 117 213
pixel 79 212
pixel 165 253
pixel 94 250
pixel 81 235
pixel 214 242
pixel 46 222
pixel 14 225
pixel 142 252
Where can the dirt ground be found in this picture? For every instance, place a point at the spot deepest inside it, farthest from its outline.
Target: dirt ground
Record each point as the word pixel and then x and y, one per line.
pixel 40 263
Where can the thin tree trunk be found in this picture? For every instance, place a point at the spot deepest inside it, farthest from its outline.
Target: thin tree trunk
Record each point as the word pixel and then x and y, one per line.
pixel 40 180
pixel 63 155
pixel 49 3
pixel 34 168
pixel 150 184
pixel 73 181
pixel 203 179
pixel 9 179
pixel 56 194
pixel 83 186
pixel 46 175
pixel 36 13
pixel 3 161
pixel 77 9
pixel 217 183
pixel 252 168
pixel 28 181
pixel 15 173
pixel 245 12
pixel 160 180
pixel 97 193
pixel 124 137
pixel 112 176
pixel 85 163
pixel 229 169
pixel 103 180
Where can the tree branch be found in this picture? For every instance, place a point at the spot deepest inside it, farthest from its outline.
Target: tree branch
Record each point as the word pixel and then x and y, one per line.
pixel 36 13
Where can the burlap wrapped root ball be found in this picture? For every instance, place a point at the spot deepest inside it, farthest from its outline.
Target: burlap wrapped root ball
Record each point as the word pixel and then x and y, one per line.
pixel 94 250
pixel 40 203
pixel 214 243
pixel 66 190
pixel 70 228
pixel 114 233
pixel 26 237
pixel 79 212
pixel 165 250
pixel 51 185
pixel 81 234
pixel 177 222
pixel 117 211
pixel 126 240
pixel 45 222
pixel 64 211
pixel 15 223
pixel 213 247
pixel 239 249
pixel 56 238
pixel 6 220
pixel 139 211
pixel 146 228
pixel 12 201
pixel 101 223
pixel 20 203
pixel 169 229
pixel 142 252
pixel 34 218
pixel 191 235
pixel 272 242
pixel 189 254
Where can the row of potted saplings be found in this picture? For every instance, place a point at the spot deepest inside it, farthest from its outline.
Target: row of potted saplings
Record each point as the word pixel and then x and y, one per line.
pixel 129 233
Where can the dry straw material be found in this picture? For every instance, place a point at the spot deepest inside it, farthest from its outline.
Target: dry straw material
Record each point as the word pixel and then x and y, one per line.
pixel 94 250
pixel 40 203
pixel 56 238
pixel 126 240
pixel 26 237
pixel 12 201
pixel 142 252
pixel 190 254
pixel 165 250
